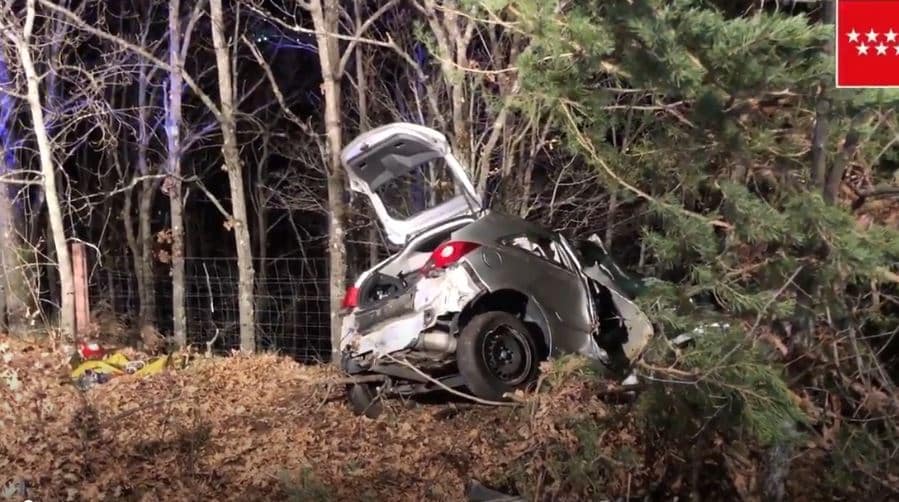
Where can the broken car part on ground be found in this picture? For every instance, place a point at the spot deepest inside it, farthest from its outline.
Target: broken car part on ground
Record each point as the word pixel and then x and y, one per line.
pixel 474 298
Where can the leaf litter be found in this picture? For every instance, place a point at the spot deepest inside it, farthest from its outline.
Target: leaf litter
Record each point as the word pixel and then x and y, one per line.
pixel 265 427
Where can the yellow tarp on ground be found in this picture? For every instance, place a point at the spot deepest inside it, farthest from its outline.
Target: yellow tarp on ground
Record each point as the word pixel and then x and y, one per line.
pixel 117 364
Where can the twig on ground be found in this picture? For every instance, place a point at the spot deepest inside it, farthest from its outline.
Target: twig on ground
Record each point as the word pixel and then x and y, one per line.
pixel 149 406
pixel 351 380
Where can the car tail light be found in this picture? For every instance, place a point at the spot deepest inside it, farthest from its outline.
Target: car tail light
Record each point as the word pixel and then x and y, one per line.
pixel 351 298
pixel 450 252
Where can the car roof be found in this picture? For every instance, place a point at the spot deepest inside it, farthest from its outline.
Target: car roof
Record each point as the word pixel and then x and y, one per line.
pixel 495 225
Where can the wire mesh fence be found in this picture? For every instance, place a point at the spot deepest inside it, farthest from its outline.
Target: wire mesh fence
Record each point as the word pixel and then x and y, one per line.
pixel 291 294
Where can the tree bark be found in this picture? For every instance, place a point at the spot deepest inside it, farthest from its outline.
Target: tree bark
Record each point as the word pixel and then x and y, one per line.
pixel 144 272
pixel 325 18
pixel 15 286
pixel 179 312
pixel 133 244
pixel 4 219
pixel 362 103
pixel 173 168
pixel 822 114
pixel 16 274
pixel 260 202
pixel 835 174
pixel 235 180
pixel 807 280
pixel 258 198
pixel 6 223
pixel 48 171
pixel 54 293
pixel 452 48
pixel 145 213
pixel 611 215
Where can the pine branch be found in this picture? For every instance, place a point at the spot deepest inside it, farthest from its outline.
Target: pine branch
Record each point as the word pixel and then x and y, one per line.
pixel 588 146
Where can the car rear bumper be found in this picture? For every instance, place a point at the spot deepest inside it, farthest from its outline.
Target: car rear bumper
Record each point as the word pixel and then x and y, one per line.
pixel 431 298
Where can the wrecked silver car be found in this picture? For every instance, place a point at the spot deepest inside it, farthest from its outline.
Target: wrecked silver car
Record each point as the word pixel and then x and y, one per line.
pixel 474 298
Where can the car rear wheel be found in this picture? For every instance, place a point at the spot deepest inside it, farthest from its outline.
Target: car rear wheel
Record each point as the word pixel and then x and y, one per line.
pixel 365 400
pixel 496 354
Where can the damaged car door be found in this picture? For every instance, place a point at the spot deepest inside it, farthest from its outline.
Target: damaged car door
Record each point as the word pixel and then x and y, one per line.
pixel 619 291
pixel 556 285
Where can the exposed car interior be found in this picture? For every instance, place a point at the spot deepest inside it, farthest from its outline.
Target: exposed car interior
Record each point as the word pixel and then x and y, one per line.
pixel 401 272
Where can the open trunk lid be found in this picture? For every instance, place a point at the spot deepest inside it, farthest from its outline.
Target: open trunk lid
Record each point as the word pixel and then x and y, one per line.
pixel 378 161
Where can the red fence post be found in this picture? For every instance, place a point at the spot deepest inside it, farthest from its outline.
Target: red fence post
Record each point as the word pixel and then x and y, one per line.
pixel 82 302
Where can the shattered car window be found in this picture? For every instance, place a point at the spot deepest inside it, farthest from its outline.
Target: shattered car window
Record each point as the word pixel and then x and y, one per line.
pixel 425 186
pixel 590 253
pixel 544 248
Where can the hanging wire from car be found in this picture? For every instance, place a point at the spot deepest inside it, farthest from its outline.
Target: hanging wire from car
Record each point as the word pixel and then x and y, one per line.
pixel 447 388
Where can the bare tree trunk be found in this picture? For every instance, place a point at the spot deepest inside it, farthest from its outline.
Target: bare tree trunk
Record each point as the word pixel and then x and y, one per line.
pixel 807 280
pixel 15 289
pixel 822 114
pixel 259 200
pixel 487 152
pixel 145 213
pixel 15 277
pixel 45 150
pixel 362 103
pixel 53 290
pixel 144 270
pixel 838 168
pixel 452 46
pixel 6 222
pixel 235 180
pixel 325 15
pixel 611 214
pixel 133 244
pixel 526 184
pixel 179 312
pixel 262 226
pixel 4 225
pixel 173 167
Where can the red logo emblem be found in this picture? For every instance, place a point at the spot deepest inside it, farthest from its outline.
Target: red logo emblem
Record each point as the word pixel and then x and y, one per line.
pixel 867 43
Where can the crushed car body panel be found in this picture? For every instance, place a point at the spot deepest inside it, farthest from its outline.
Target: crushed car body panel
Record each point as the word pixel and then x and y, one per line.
pixel 433 297
pixel 639 328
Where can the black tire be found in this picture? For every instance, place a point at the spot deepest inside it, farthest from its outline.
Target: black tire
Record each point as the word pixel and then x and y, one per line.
pixel 365 400
pixel 484 359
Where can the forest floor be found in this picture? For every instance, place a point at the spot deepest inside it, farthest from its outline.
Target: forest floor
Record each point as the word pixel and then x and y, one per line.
pixel 263 427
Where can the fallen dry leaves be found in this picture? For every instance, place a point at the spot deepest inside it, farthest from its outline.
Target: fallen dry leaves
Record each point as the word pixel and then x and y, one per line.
pixel 264 427
pixel 250 427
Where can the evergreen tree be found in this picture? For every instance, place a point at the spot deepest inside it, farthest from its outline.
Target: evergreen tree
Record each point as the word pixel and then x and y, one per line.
pixel 725 168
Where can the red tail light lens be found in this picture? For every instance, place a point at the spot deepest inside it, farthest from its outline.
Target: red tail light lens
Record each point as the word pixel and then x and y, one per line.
pixel 450 252
pixel 351 298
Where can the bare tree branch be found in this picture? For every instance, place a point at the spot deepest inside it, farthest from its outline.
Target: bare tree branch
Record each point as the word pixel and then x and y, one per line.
pixel 83 25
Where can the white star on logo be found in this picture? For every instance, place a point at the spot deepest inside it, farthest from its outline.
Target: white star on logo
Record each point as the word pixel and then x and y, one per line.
pixel 862 49
pixel 891 35
pixel 881 50
pixel 896 48
pixel 853 35
pixel 872 35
